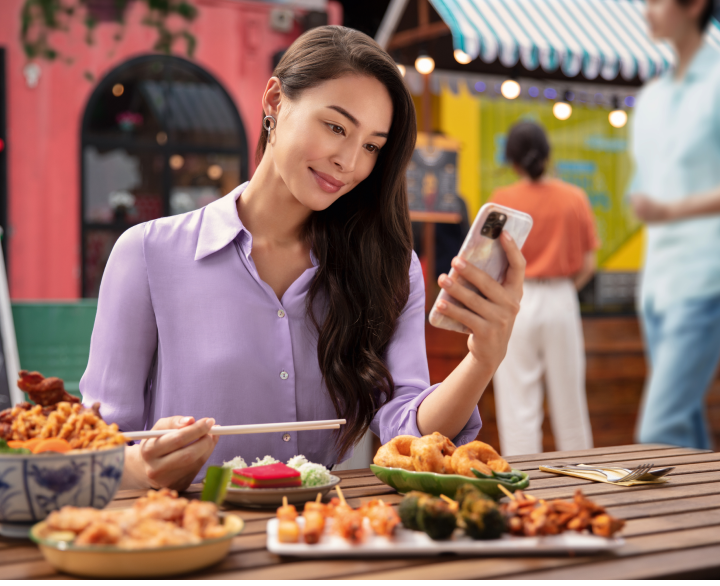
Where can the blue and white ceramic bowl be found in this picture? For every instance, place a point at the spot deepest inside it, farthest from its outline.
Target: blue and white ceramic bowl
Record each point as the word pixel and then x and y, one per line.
pixel 32 486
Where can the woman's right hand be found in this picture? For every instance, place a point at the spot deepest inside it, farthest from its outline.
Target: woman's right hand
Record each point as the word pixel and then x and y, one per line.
pixel 172 460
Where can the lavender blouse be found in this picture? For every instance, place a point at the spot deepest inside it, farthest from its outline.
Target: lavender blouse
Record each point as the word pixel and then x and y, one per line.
pixel 185 326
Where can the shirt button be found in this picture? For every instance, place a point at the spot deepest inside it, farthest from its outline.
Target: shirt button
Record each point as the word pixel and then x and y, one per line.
pixel 286 437
pixel 281 313
pixel 284 375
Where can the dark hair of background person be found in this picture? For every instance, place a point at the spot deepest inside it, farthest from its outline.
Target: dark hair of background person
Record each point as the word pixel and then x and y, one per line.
pixel 705 15
pixel 363 241
pixel 528 147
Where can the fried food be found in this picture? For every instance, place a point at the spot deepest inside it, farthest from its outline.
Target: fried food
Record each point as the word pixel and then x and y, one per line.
pixel 288 531
pixel 314 526
pixel 396 453
pixel 44 391
pixel 82 428
pixel 480 456
pixel 433 453
pixel 160 518
pixel 383 518
pixel 529 516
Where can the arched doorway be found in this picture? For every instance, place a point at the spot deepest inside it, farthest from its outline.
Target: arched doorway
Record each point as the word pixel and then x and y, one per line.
pixel 160 136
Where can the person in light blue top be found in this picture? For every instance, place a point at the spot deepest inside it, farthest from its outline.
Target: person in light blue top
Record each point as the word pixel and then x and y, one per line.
pixel 676 191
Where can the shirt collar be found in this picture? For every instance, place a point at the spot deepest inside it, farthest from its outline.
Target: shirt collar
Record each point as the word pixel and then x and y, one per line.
pixel 220 224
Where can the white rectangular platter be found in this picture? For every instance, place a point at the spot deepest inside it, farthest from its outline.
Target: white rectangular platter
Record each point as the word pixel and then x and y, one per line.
pixel 416 543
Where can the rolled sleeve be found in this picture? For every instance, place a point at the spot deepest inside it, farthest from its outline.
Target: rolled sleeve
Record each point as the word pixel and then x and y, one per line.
pixel 124 338
pixel 407 362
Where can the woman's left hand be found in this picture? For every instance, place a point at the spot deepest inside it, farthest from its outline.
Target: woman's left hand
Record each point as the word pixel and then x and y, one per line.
pixel 490 320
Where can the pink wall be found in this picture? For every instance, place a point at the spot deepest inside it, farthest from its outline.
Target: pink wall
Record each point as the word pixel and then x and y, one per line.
pixel 235 44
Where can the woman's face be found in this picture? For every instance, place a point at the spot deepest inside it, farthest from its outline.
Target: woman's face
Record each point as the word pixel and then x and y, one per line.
pixel 668 19
pixel 328 139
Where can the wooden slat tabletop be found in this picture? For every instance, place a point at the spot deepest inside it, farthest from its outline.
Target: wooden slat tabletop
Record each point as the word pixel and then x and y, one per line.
pixel 672 531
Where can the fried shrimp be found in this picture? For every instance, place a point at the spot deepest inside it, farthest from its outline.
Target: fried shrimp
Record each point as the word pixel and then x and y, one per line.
pixel 396 453
pixel 433 453
pixel 481 457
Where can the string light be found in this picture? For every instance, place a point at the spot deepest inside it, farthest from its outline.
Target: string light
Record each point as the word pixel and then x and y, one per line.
pixel 562 110
pixel 617 118
pixel 118 90
pixel 510 89
pixel 401 69
pixel 461 57
pixel 424 64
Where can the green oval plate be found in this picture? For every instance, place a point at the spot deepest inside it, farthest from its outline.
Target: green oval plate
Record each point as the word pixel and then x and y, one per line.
pixel 447 484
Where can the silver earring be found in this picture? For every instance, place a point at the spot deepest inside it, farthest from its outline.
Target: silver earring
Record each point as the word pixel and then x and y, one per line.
pixel 268 121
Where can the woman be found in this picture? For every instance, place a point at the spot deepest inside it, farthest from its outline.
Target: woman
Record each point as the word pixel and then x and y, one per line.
pixel 547 338
pixel 676 190
pixel 296 296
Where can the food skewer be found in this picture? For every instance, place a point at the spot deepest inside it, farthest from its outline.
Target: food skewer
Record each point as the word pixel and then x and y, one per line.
pixel 245 429
pixel 341 496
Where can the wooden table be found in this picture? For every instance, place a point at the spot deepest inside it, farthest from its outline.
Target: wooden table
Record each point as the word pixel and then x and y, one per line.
pixel 673 529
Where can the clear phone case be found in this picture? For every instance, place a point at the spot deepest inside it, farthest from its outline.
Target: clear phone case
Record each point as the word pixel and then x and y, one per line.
pixel 486 253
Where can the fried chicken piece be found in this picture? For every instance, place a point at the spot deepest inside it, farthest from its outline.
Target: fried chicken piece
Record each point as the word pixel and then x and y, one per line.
pixel 99 533
pixel 606 526
pixel 201 519
pixel 156 533
pixel 44 391
pixel 163 504
pixel 75 519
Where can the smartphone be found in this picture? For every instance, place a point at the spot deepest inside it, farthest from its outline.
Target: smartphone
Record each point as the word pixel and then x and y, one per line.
pixel 482 248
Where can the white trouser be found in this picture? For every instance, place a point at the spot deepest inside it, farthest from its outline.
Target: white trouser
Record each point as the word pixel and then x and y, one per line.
pixel 547 339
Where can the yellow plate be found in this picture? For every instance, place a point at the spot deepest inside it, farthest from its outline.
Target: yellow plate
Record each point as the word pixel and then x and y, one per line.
pixel 112 562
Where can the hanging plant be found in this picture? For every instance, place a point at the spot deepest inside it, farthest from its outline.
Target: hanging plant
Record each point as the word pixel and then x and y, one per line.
pixel 40 18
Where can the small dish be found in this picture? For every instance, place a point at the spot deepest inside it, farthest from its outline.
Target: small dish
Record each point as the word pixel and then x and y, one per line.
pixel 272 497
pixel 112 562
pixel 447 484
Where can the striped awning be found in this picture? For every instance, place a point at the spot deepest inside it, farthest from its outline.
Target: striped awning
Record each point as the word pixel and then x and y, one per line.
pixel 597 37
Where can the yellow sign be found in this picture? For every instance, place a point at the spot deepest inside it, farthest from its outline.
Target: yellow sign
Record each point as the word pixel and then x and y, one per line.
pixel 586 151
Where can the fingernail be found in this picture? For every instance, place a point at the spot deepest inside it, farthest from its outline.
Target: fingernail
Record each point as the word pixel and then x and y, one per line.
pixel 185 420
pixel 446 281
pixel 459 263
pixel 211 421
pixel 507 236
pixel 442 305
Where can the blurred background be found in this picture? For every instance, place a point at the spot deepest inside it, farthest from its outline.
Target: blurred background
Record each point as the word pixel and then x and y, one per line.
pixel 115 112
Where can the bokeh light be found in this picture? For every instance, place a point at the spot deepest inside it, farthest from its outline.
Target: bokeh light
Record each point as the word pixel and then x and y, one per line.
pixel 562 110
pixel 618 118
pixel 480 86
pixel 176 162
pixel 534 92
pixel 510 89
pixel 461 57
pixel 214 172
pixel 425 64
pixel 550 93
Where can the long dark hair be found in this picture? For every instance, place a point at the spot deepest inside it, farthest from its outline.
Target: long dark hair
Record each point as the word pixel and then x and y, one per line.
pixel 528 147
pixel 363 241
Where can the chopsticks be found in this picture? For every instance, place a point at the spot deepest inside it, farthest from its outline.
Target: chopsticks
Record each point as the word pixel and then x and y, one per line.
pixel 245 429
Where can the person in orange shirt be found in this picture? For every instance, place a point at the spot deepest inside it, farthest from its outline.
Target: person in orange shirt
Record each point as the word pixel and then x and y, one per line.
pixel 547 339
